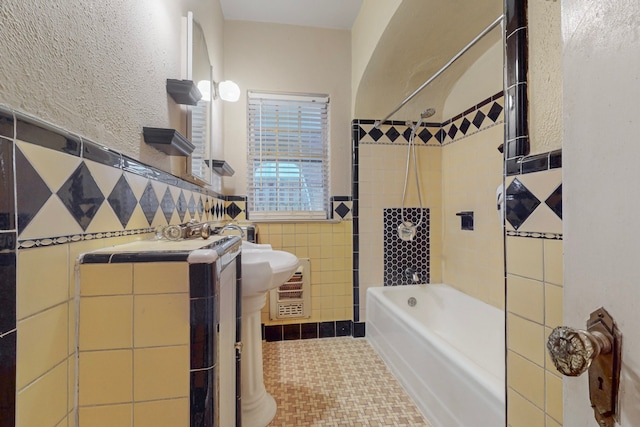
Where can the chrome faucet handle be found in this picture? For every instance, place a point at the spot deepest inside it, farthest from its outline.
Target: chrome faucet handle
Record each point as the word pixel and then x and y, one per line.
pixel 573 350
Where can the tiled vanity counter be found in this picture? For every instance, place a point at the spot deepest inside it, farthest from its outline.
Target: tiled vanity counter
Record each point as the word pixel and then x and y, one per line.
pixel 156 333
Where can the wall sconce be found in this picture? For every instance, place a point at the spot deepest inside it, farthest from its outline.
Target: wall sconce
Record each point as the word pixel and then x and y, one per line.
pixel 227 90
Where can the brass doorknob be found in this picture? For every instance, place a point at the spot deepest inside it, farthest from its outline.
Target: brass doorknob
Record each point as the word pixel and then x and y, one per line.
pixel 573 350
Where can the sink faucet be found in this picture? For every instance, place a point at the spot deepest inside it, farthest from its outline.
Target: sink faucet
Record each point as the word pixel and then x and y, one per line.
pixel 232 227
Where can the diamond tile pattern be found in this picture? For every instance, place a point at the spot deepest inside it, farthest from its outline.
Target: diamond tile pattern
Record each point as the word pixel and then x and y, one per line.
pixel 168 205
pixel 554 201
pixel 149 203
pixel 520 203
pixel 328 382
pixel 342 210
pixel 123 201
pixel 403 258
pixel 81 195
pixel 31 191
pixel 181 206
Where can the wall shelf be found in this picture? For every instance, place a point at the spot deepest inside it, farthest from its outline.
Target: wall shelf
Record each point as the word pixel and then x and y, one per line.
pixel 220 167
pixel 169 141
pixel 183 91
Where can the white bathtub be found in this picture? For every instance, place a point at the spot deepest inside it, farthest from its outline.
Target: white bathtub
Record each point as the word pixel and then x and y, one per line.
pixel 447 351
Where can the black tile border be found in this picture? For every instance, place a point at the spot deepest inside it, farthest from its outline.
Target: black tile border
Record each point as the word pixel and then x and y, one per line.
pixel 534 163
pixel 8 361
pixel 313 330
pixel 38 132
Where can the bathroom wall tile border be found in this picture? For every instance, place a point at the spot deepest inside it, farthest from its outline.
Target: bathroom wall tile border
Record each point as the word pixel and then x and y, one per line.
pixel 534 197
pixel 312 330
pixel 193 202
pixel 534 163
pixel 485 114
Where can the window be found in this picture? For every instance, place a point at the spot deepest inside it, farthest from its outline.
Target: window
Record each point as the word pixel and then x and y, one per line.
pixel 287 156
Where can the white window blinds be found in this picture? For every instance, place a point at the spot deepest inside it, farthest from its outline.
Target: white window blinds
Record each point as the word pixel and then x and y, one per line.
pixel 287 156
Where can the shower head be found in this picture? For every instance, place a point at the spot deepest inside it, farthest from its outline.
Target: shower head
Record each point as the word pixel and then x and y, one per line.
pixel 428 113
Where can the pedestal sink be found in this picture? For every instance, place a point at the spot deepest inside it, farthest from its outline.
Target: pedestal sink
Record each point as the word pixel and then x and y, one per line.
pixel 262 270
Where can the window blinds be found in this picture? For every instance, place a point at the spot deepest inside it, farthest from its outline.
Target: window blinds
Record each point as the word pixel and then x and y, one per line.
pixel 287 156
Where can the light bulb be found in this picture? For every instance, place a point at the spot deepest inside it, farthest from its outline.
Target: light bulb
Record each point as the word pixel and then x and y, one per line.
pixel 229 91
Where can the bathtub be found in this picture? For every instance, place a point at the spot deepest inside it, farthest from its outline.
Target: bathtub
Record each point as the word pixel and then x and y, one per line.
pixel 447 351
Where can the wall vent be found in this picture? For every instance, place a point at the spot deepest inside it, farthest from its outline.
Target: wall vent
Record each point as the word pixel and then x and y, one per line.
pixel 292 300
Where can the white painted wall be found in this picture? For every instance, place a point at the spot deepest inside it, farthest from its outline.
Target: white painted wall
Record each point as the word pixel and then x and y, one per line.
pixel 482 79
pixel 287 58
pixel 601 71
pixel 366 32
pixel 99 69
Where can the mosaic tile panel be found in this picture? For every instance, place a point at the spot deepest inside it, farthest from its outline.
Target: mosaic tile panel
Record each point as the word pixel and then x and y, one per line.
pixel 328 382
pixel 403 259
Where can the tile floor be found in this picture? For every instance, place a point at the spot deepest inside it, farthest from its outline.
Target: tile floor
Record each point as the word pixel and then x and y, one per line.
pixel 334 382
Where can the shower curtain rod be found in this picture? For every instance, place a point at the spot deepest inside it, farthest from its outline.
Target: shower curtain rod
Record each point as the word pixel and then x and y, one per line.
pixel 458 55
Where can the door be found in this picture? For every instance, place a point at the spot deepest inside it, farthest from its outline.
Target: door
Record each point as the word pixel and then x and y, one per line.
pixel 601 152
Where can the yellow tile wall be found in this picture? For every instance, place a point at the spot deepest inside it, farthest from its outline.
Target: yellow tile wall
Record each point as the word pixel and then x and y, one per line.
pixel 329 247
pixel 381 181
pixel 534 308
pixel 133 344
pixel 46 368
pixel 473 261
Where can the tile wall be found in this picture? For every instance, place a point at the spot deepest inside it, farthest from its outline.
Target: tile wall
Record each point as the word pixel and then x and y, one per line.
pixel 128 333
pixel 379 166
pixel 328 245
pixel 534 289
pixel 63 195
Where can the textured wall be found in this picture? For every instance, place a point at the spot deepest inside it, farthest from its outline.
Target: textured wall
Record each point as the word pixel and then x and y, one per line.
pixel 95 68
pixel 545 76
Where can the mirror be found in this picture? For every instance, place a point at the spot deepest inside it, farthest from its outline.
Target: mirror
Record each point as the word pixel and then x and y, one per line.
pixel 199 116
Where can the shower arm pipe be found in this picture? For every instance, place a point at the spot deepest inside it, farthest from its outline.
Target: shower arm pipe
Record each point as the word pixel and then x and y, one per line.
pixel 441 70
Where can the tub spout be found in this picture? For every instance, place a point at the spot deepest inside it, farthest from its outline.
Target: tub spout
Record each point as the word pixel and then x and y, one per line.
pixel 412 274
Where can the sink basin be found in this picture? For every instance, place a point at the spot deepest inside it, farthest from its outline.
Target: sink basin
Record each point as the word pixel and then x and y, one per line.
pixel 264 268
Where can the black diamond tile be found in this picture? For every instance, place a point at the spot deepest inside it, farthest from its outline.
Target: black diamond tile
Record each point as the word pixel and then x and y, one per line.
pixel 81 196
pixel 7 202
pixel 200 206
pixel 375 133
pixel 554 201
pixel 464 126
pixel 149 203
pixel 233 210
pixel 191 206
pixel 361 133
pixel 453 130
pixel 342 210
pixel 520 203
pixel 478 119
pixel 392 134
pixel 31 191
pixel 407 133
pixel 425 135
pixel 122 201
pixel 167 205
pixel 494 112
pixel 440 135
pixel 181 205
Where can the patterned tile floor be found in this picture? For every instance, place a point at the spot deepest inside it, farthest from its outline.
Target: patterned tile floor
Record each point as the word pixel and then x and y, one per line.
pixel 334 382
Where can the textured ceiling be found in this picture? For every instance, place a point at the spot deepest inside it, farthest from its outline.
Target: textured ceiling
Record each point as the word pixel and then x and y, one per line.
pixel 420 39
